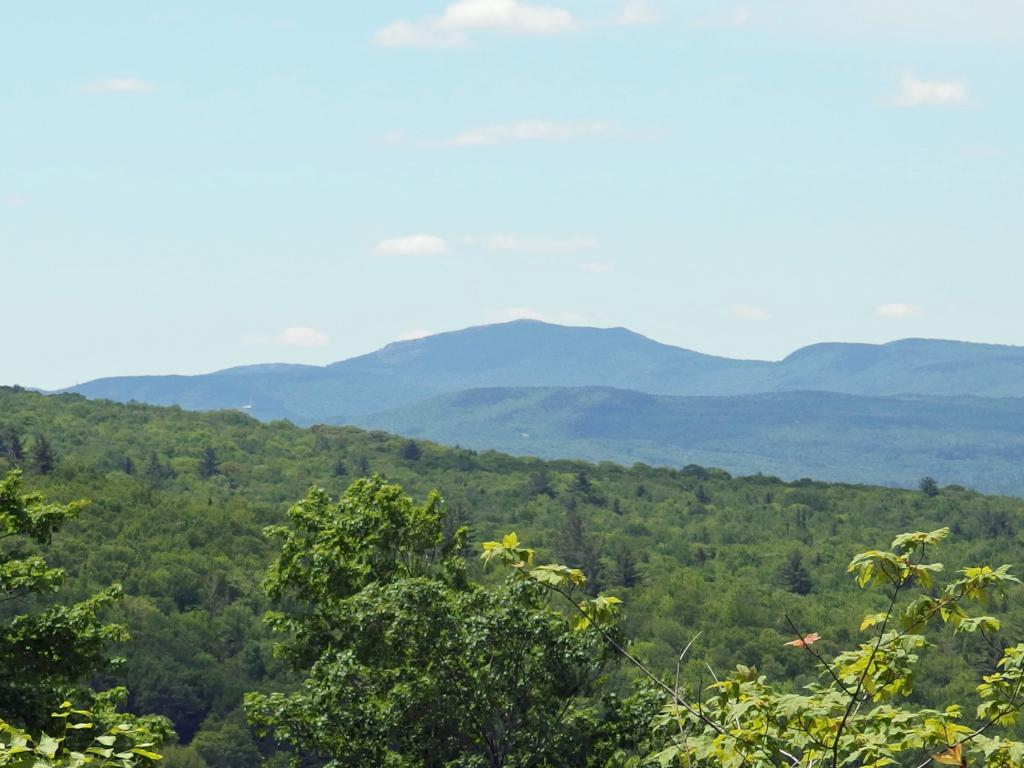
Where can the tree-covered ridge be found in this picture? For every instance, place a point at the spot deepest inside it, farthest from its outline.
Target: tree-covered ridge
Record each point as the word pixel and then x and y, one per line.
pixel 846 438
pixel 879 414
pixel 179 501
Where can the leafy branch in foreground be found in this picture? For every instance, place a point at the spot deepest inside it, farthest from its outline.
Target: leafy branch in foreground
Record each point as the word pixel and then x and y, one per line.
pixel 120 745
pixel 857 713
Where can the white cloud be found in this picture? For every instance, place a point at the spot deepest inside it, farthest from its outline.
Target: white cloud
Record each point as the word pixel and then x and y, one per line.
pixel 636 13
pixel 302 336
pixel 505 242
pixel 529 130
pixel 463 16
pixel 738 17
pixel 392 138
pixel 405 34
pixel 506 16
pixel 13 200
pixel 120 85
pixel 914 92
pixel 898 310
pixel 415 333
pixel 748 312
pixel 597 266
pixel 412 245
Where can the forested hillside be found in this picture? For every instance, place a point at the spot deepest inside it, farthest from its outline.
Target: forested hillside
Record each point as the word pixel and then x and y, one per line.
pixel 973 441
pixel 179 501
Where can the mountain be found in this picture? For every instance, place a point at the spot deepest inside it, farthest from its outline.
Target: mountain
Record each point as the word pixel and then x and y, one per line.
pixel 887 413
pixel 893 440
pixel 528 353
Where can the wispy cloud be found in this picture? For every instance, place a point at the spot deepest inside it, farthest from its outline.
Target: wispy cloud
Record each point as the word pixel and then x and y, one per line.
pixel 462 17
pixel 120 85
pixel 12 200
pixel 412 245
pixel 506 242
pixel 406 34
pixel 392 138
pixel 915 92
pixel 529 130
pixel 737 17
pixel 302 336
pixel 637 13
pixel 898 310
pixel 748 312
pixel 597 266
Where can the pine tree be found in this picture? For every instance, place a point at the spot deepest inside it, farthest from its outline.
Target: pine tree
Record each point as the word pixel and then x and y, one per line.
pixel 795 577
pixel 208 464
pixel 44 460
pixel 928 486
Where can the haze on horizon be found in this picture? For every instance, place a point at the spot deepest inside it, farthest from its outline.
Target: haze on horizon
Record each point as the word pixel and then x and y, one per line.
pixel 188 188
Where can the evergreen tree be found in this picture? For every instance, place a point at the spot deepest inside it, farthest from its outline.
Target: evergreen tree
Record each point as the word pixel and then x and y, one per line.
pixel 128 466
pixel 624 569
pixel 44 460
pixel 928 486
pixel 582 486
pixel 208 464
pixel 339 469
pixel 156 473
pixel 411 451
pixel 794 576
pixel 578 549
pixel 540 484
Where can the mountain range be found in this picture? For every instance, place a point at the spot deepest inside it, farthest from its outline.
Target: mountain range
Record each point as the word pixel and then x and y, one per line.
pixel 884 413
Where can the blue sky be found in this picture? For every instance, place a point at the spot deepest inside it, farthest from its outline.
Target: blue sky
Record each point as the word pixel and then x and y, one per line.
pixel 186 186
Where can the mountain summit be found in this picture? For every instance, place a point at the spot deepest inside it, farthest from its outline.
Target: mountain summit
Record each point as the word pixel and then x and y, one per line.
pixel 529 353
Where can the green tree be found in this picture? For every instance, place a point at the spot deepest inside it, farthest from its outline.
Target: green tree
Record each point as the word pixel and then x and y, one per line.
pixel 46 655
pixel 540 484
pixel 208 464
pixel 44 460
pixel 406 662
pixel 157 473
pixel 226 744
pixel 928 486
pixel 411 451
pixel 15 450
pixel 794 575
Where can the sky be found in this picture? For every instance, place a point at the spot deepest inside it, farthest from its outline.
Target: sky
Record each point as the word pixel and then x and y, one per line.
pixel 187 186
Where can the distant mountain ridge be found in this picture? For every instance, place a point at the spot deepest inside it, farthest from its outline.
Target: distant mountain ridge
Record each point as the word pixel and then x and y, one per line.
pixel 895 440
pixel 528 353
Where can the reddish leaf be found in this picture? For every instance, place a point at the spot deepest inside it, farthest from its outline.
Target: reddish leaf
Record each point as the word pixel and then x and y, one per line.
pixel 802 642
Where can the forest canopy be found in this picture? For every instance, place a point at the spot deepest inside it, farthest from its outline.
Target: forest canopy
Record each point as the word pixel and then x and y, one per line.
pixel 179 501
